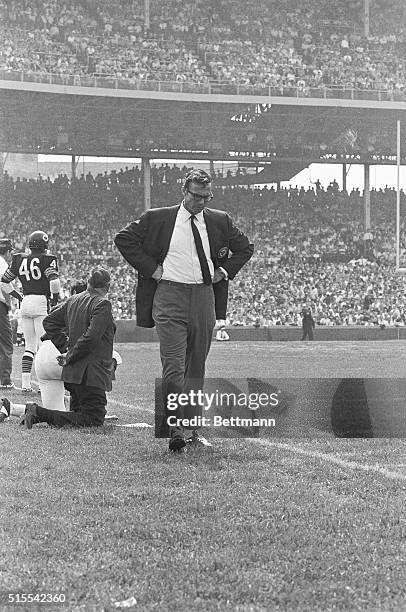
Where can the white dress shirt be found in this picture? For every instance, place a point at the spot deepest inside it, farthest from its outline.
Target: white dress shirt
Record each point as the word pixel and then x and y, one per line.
pixel 181 263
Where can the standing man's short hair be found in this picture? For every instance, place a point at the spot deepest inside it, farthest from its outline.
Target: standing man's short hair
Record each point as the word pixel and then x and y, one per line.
pixel 99 277
pixel 196 176
pixel 78 286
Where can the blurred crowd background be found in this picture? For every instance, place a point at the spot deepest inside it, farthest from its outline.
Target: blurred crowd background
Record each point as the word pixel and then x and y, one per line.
pixel 310 245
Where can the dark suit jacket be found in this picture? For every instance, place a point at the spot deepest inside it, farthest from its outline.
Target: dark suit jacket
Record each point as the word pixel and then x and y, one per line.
pixel 144 244
pixel 90 326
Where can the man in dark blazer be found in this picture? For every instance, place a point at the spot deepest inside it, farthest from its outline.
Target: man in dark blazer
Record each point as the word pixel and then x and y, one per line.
pixel 185 256
pixel 86 319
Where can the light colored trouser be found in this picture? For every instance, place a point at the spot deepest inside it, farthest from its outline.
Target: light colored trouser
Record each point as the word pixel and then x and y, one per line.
pixel 49 374
pixel 33 312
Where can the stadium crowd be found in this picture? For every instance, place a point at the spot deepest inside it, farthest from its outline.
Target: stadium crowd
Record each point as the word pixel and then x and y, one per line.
pixel 282 44
pixel 311 247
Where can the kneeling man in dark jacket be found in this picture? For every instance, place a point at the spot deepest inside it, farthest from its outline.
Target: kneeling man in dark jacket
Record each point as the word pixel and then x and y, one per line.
pixel 86 319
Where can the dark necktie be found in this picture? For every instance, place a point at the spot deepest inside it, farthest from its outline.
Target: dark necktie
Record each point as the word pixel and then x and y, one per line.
pixel 200 253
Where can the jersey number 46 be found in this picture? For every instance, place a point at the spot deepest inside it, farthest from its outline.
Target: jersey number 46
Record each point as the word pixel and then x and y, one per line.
pixel 32 271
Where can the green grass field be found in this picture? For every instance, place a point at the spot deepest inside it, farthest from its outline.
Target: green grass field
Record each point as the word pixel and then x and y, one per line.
pixel 253 525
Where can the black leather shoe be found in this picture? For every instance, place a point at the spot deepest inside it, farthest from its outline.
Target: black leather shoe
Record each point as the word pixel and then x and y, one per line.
pixel 177 441
pixel 197 440
pixel 31 416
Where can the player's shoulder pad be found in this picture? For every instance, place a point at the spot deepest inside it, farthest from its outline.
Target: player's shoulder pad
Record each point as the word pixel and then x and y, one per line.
pixel 49 260
pixel 17 257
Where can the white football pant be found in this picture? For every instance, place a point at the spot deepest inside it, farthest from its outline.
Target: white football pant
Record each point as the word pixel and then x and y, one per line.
pixel 49 374
pixel 34 309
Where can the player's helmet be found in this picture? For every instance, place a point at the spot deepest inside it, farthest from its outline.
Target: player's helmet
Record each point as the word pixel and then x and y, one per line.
pixel 5 245
pixel 38 240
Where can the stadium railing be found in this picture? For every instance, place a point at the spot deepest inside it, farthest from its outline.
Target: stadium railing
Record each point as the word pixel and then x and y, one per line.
pixel 112 82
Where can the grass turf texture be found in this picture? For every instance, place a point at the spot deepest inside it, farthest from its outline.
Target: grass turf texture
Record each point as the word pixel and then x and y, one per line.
pixel 107 514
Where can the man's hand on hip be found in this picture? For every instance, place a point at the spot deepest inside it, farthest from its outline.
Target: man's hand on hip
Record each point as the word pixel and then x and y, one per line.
pixel 218 275
pixel 61 359
pixel 157 275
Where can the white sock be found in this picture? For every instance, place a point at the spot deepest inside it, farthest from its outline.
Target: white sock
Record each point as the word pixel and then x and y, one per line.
pixel 26 380
pixel 17 409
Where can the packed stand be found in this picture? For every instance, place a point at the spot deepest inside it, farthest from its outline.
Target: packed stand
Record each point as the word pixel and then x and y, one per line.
pixel 309 45
pixel 285 45
pixel 88 39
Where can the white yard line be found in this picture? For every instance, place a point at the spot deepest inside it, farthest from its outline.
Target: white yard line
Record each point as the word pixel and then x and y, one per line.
pixel 110 401
pixel 349 465
pixel 119 403
pixel 327 457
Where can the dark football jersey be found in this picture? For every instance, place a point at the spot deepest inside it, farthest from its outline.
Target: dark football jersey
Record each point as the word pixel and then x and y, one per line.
pixel 33 271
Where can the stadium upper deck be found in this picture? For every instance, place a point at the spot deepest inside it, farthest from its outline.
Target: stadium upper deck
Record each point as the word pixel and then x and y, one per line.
pixel 281 48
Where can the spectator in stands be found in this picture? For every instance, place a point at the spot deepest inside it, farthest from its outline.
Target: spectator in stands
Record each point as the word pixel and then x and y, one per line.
pixel 308 323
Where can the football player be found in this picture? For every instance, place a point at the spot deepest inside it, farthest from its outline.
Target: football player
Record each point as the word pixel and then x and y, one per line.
pixel 39 277
pixel 50 382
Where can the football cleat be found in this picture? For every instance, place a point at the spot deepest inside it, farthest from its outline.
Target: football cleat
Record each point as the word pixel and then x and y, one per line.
pixel 5 409
pixel 7 385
